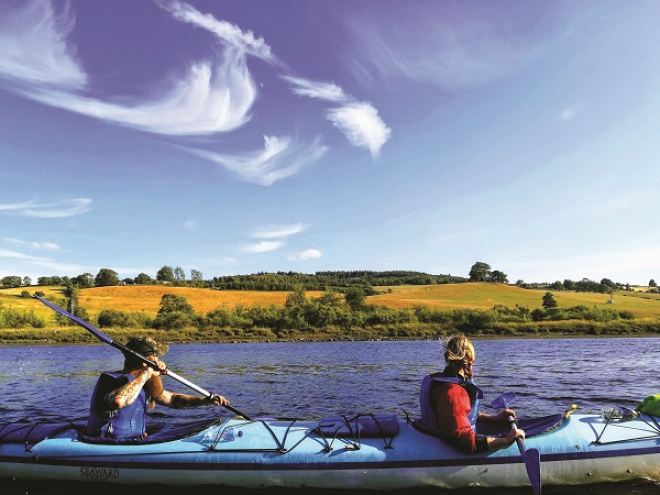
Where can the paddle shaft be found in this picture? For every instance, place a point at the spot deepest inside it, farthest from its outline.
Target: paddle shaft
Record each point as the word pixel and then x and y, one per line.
pixel 519 441
pixel 532 460
pixel 105 338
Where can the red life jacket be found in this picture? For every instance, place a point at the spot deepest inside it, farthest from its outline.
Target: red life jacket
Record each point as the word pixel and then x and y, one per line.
pixel 428 421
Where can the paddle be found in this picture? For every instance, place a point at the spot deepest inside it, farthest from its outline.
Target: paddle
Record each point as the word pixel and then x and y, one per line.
pixel 531 457
pixel 105 338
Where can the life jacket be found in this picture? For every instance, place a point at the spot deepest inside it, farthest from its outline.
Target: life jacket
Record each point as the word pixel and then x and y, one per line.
pixel 428 421
pixel 126 422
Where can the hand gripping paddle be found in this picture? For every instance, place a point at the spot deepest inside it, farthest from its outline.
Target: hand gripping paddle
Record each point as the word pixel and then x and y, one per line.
pixel 531 457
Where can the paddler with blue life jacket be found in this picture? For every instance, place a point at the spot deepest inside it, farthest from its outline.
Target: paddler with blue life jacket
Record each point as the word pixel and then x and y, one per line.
pixel 121 399
pixel 449 403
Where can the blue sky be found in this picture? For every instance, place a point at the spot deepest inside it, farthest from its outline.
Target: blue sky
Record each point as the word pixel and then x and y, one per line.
pixel 236 137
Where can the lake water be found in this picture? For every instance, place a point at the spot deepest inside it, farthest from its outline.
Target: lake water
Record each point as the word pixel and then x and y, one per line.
pixel 309 380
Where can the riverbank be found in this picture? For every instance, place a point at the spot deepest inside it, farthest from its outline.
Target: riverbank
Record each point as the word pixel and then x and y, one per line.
pixel 546 330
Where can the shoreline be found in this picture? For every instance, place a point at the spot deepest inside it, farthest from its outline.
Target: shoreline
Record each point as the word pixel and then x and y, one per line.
pixel 474 337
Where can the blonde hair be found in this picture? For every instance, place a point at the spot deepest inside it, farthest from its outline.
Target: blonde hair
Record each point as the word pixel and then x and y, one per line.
pixel 458 350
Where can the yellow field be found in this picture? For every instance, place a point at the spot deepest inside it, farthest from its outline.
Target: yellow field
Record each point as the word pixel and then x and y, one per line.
pixel 147 298
pixel 443 297
pixel 485 296
pixel 144 298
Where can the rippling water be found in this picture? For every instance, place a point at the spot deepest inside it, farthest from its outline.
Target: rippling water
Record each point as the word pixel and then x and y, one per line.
pixel 309 380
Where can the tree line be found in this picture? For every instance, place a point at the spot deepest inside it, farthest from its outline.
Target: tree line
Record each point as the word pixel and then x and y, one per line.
pixel 264 281
pixel 321 280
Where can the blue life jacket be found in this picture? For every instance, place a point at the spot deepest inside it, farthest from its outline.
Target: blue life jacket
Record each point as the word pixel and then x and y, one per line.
pixel 126 422
pixel 428 421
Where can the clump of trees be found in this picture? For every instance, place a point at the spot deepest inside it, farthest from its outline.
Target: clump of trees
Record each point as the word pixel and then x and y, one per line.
pixel 481 272
pixel 605 286
pixel 11 281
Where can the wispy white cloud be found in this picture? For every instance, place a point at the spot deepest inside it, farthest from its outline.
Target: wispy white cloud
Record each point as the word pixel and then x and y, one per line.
pixel 61 209
pixel 262 247
pixel 209 96
pixel 305 255
pixel 274 235
pixel 281 157
pixel 446 50
pixel 212 96
pixel 278 231
pixel 317 90
pixel 574 111
pixel 34 48
pixel 359 121
pixel 5 253
pixel 60 268
pixel 362 126
pixel 41 246
pixel 244 41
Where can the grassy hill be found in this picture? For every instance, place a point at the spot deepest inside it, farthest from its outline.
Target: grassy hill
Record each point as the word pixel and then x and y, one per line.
pixel 485 296
pixel 443 297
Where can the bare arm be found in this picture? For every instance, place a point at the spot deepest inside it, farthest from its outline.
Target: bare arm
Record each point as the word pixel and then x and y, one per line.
pixel 500 443
pixel 182 401
pixel 125 395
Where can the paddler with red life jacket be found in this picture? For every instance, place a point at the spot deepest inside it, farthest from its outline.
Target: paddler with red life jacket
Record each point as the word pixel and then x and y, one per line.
pixel 121 399
pixel 449 403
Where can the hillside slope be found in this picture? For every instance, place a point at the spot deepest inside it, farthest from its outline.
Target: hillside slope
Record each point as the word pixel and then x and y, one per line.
pixel 443 297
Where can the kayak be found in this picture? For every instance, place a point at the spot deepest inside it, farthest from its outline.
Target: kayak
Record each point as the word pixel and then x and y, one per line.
pixel 371 451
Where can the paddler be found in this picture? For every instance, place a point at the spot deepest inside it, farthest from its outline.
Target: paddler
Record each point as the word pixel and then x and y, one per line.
pixel 121 399
pixel 449 403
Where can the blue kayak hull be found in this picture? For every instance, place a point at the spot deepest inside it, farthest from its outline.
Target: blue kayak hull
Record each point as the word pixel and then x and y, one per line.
pixel 584 449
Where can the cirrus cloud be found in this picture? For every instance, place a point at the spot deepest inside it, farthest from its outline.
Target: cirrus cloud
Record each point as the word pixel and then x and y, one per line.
pixel 262 247
pixel 60 209
pixel 305 255
pixel 362 126
pixel 281 157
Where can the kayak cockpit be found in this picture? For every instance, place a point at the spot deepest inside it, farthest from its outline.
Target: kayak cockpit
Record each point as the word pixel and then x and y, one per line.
pixel 30 434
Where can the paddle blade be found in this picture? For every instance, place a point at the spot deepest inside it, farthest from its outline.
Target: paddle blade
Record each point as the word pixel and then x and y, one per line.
pixel 98 333
pixel 503 401
pixel 532 459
